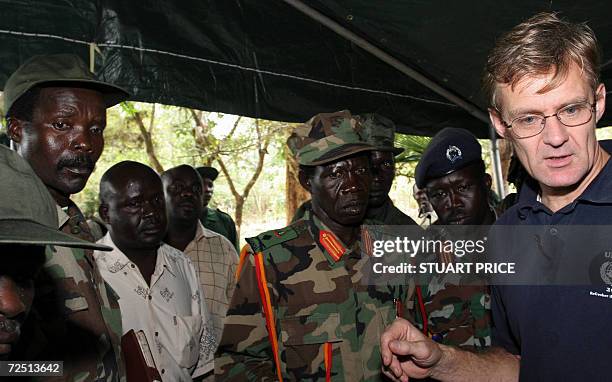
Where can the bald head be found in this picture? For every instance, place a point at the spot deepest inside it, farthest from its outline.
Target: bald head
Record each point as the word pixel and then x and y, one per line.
pixel 183 191
pixel 132 204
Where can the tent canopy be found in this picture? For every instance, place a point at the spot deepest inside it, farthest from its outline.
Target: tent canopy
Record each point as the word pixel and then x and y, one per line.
pixel 268 60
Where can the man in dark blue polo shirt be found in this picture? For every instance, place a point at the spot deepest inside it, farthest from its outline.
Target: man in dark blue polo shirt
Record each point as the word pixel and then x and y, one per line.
pixel 542 80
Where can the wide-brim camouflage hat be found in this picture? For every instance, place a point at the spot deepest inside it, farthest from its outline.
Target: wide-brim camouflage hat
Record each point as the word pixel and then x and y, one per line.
pixel 379 131
pixel 60 69
pixel 328 137
pixel 28 214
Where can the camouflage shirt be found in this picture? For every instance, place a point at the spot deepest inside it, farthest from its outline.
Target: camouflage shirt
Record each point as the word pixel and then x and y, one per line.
pixel 325 319
pixel 388 214
pixel 75 312
pixel 458 312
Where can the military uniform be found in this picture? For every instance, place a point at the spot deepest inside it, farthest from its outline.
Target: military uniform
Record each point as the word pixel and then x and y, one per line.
pixel 76 312
pixel 221 223
pixel 458 313
pixel 302 308
pixel 325 321
pixel 390 215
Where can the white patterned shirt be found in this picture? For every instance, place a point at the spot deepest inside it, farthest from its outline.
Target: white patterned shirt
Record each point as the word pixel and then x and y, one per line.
pixel 171 311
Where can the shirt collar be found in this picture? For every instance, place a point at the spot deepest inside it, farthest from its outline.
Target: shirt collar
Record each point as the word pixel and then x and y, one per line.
pixel 332 247
pixel 598 191
pixel 116 260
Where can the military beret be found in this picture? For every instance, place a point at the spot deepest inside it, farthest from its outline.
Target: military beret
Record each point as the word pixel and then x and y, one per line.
pixel 208 172
pixel 327 137
pixel 60 69
pixel 448 151
pixel 379 132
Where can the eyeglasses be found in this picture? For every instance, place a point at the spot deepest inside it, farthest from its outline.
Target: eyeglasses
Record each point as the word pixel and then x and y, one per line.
pixel 529 125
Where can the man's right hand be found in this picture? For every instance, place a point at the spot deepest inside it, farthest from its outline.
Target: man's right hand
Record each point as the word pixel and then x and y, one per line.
pixel 406 352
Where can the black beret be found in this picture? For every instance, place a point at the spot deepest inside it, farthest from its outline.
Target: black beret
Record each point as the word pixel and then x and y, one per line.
pixel 208 172
pixel 448 151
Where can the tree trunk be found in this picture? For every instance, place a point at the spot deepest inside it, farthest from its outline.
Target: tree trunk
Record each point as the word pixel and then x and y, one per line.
pixel 295 194
pixel 148 140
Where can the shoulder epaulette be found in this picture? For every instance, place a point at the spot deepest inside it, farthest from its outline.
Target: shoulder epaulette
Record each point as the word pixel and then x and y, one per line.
pixel 271 238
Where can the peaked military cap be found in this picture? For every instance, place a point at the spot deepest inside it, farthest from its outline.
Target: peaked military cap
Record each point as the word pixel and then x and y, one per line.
pixel 327 137
pixel 448 151
pixel 207 172
pixel 60 69
pixel 379 131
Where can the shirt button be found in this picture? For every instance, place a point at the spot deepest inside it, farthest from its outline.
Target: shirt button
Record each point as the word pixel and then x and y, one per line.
pixel 553 231
pixel 150 297
pixel 156 334
pixel 163 371
pixel 132 265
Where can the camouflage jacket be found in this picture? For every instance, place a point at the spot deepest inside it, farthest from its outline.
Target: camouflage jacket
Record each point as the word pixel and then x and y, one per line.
pixel 75 312
pixel 388 214
pixel 324 319
pixel 458 312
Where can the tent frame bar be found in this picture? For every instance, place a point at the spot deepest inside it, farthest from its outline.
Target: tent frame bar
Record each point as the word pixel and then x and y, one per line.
pixel 395 63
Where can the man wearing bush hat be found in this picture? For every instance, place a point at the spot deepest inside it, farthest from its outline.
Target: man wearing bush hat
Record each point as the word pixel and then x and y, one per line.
pixel 56 115
pixel 300 310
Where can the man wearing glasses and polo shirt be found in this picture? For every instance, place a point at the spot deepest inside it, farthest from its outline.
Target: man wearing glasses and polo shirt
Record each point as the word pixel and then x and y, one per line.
pixel 542 82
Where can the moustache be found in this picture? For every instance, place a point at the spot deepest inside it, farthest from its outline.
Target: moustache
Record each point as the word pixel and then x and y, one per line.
pixel 78 160
pixel 10 326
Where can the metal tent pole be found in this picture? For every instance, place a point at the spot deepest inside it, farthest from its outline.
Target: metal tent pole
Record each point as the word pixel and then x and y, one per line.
pixel 385 57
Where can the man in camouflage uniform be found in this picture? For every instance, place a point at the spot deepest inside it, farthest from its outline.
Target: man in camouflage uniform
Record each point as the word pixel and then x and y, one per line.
pixel 379 132
pixel 452 172
pixel 56 115
pixel 300 310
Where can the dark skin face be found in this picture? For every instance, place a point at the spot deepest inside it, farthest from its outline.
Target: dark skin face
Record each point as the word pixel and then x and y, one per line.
pixel 183 190
pixel 340 191
pixel 461 197
pixel 20 265
pixel 207 191
pixel 134 208
pixel 383 173
pixel 65 138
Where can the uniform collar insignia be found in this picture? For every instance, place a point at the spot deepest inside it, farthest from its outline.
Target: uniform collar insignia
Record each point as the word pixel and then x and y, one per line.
pixel 332 245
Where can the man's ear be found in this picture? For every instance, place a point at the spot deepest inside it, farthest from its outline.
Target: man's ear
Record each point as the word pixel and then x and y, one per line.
pixel 498 123
pixel 14 129
pixel 304 180
pixel 488 181
pixel 600 99
pixel 103 211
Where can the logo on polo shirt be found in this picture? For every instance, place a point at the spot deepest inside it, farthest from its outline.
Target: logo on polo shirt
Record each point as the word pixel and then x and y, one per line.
pixel 605 271
pixel 453 153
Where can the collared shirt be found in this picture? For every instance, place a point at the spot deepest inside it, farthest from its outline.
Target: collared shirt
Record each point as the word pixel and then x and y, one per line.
pixel 326 318
pixel 221 223
pixel 561 332
pixel 76 312
pixel 215 260
pixel 170 311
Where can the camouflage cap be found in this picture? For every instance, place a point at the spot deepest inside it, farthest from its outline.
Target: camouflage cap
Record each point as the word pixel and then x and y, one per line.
pixel 327 137
pixel 63 69
pixel 379 131
pixel 28 214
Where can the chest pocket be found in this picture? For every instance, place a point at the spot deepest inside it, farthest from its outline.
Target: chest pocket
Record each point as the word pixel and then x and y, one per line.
pixel 303 341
